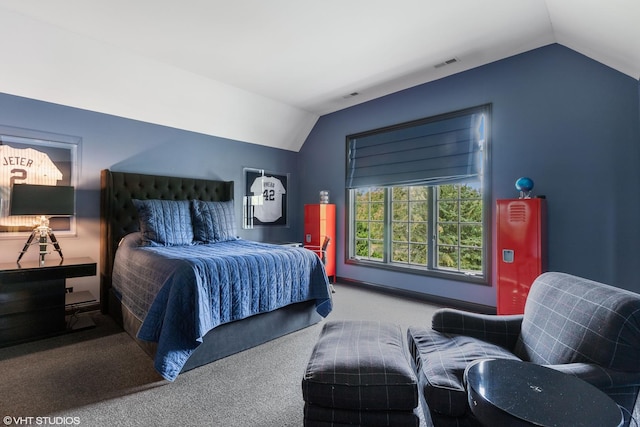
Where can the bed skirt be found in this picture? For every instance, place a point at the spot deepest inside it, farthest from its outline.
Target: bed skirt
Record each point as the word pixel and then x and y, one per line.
pixel 229 338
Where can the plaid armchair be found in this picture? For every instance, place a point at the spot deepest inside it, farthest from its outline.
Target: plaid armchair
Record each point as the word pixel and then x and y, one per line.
pixel 574 325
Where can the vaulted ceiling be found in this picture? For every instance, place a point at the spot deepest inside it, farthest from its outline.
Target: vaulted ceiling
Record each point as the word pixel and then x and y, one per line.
pixel 264 71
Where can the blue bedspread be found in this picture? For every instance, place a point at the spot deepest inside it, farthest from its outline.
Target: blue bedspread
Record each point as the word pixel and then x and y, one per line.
pixel 181 292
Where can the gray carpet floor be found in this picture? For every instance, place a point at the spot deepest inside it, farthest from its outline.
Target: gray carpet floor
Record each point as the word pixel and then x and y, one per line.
pixel 100 377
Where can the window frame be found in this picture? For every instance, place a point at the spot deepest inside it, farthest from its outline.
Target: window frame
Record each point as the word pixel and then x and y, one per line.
pixel 431 269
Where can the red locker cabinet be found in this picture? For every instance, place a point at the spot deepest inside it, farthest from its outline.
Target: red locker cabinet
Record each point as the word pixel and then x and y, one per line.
pixel 320 221
pixel 521 250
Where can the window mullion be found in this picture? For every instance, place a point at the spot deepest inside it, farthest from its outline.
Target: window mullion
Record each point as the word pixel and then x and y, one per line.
pixel 432 254
pixel 459 221
pixel 388 227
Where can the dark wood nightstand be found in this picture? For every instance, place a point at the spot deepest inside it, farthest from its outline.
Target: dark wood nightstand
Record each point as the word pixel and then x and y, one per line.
pixel 32 297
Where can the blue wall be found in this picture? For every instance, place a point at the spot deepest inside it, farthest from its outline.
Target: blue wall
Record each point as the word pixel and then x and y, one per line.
pixel 128 145
pixel 568 122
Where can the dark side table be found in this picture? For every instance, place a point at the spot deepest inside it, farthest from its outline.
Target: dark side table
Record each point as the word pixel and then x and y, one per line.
pixel 509 392
pixel 32 297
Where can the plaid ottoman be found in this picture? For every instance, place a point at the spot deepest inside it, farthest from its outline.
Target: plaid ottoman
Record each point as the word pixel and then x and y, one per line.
pixel 359 374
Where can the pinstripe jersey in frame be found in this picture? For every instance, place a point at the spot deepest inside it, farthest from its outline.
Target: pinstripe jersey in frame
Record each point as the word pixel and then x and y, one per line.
pixel 23 166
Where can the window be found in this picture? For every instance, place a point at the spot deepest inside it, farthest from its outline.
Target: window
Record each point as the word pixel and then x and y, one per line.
pixel 408 214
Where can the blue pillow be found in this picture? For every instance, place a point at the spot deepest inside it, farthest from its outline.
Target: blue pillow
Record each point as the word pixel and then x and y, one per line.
pixel 213 221
pixel 165 222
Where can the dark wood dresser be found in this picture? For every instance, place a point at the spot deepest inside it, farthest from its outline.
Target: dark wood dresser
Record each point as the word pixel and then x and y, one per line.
pixel 32 297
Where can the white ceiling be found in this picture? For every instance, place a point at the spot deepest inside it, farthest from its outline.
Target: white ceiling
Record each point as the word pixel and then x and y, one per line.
pixel 264 71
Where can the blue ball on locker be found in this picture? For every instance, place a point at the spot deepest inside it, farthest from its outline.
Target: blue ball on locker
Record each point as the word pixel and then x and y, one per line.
pixel 524 184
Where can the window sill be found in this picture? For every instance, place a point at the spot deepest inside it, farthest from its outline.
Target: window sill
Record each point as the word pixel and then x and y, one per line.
pixel 443 274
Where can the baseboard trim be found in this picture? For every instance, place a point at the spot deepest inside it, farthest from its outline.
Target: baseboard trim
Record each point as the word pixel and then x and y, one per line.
pixel 433 299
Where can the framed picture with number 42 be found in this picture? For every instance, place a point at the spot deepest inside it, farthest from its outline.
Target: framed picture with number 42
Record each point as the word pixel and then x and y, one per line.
pixel 265 201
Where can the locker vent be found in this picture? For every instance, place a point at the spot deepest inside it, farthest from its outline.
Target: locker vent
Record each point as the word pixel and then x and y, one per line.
pixel 517 212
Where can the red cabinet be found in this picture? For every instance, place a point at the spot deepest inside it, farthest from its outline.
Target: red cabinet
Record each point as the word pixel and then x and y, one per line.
pixel 320 222
pixel 521 253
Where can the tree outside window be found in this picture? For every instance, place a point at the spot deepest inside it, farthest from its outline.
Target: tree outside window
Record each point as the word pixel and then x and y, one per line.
pixel 428 227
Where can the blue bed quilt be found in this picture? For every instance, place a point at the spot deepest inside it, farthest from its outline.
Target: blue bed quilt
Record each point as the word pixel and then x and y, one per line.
pixel 182 292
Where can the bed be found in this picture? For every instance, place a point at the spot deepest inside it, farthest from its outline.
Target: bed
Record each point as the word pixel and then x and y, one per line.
pixel 192 292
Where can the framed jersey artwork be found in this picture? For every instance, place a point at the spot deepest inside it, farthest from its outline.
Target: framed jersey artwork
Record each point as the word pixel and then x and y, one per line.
pixel 34 157
pixel 265 201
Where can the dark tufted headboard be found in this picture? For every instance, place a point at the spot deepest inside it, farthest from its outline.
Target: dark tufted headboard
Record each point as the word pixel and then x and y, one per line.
pixel 118 216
